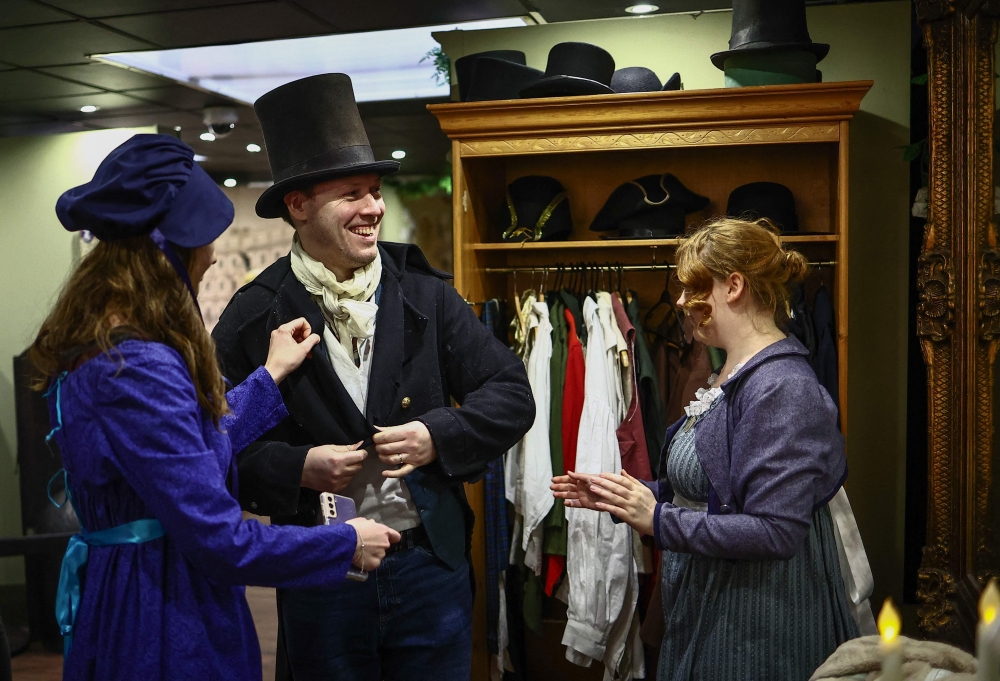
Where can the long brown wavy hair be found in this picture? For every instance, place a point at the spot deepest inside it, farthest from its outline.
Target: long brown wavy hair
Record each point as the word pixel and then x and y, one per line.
pixel 132 280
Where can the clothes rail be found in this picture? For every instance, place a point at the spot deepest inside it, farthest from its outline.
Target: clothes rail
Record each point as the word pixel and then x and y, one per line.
pixel 653 267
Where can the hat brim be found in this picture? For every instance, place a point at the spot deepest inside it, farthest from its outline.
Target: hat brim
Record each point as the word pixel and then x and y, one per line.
pixel 819 49
pixel 565 86
pixel 271 203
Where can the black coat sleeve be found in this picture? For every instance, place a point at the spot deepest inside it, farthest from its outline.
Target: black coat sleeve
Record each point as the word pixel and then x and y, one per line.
pixel 270 469
pixel 488 381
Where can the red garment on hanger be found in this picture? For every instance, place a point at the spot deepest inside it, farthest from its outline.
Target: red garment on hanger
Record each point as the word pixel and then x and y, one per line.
pixel 631 433
pixel 571 412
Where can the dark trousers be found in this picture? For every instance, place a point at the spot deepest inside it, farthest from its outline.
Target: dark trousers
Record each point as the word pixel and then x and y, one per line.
pixel 412 620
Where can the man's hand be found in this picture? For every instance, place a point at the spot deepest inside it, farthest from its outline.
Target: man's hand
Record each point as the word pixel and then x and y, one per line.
pixel 329 468
pixel 406 446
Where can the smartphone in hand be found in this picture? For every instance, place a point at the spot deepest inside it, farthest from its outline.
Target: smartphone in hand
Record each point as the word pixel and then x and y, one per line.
pixel 338 509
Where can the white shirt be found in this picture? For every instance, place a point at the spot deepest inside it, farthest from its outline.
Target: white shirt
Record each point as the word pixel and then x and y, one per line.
pixel 384 500
pixel 599 563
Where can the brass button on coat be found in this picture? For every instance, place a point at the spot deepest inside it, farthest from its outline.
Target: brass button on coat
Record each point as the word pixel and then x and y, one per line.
pixel 405 404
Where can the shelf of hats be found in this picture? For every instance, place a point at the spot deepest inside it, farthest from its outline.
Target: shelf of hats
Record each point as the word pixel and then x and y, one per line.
pixel 576 173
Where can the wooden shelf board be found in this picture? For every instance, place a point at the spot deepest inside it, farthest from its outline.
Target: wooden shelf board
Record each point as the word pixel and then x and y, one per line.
pixel 631 243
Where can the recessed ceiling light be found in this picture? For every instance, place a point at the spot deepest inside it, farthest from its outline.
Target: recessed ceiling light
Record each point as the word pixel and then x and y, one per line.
pixel 177 128
pixel 229 182
pixel 641 9
pixel 207 137
pixel 89 108
pixel 399 154
pixel 253 148
pixel 198 158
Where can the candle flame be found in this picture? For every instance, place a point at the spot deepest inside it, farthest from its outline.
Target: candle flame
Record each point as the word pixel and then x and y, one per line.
pixel 888 621
pixel 989 603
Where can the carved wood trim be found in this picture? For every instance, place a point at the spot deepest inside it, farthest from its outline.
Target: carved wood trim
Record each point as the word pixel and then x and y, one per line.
pixel 958 313
pixel 680 138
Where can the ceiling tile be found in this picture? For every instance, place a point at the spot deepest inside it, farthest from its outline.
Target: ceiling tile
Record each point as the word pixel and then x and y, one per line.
pixel 31 85
pixel 63 107
pixel 167 119
pixel 374 15
pixel 43 127
pixel 26 12
pixel 112 8
pixel 179 97
pixel 56 44
pixel 219 25
pixel 107 77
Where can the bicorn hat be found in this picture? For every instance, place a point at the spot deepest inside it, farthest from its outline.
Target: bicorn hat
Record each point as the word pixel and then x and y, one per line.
pixel 574 69
pixel 537 210
pixel 313 132
pixel 765 200
pixel 465 68
pixel 649 207
pixel 500 79
pixel 769 26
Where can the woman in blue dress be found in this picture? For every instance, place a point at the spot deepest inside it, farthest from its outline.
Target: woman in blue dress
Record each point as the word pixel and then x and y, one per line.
pixel 153 586
pixel 751 575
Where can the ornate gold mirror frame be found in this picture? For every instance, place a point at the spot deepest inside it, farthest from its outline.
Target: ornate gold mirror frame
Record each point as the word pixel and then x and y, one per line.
pixel 958 315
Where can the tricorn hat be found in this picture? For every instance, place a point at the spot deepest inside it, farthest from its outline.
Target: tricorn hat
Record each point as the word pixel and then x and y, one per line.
pixel 765 200
pixel 465 68
pixel 537 210
pixel 313 132
pixel 769 26
pixel 499 79
pixel 574 69
pixel 641 79
pixel 652 206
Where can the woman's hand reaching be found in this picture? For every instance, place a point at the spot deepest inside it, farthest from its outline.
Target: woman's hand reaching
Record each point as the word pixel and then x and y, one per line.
pixel 621 495
pixel 291 343
pixel 374 540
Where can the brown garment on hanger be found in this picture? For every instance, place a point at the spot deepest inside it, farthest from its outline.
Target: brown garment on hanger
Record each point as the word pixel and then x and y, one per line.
pixel 680 370
pixel 631 433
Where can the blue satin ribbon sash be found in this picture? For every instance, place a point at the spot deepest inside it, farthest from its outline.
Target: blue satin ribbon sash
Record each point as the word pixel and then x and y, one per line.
pixel 74 566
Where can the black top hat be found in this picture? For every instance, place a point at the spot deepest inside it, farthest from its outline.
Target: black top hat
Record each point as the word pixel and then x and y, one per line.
pixel 574 69
pixel 465 68
pixel 499 79
pixel 635 79
pixel 537 210
pixel 648 207
pixel 765 200
pixel 769 25
pixel 313 132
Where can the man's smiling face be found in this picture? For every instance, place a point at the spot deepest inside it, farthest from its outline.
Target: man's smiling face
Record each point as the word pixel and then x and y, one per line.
pixel 339 221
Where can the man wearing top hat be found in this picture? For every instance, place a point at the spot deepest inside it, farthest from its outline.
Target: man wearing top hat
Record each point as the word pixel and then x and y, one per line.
pixel 371 413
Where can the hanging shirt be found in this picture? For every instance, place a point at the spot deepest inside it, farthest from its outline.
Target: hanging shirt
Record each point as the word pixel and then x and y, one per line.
pixel 536 458
pixel 599 551
pixel 631 433
pixel 572 392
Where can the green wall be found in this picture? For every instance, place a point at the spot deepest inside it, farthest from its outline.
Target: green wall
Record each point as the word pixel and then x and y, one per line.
pixel 869 42
pixel 35 259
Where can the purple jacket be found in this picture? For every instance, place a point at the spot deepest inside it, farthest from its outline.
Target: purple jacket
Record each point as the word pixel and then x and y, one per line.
pixel 773 455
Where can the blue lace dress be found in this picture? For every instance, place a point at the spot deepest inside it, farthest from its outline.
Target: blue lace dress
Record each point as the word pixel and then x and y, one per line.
pixel 742 620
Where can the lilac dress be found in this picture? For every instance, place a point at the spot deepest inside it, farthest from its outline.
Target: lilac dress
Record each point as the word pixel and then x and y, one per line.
pixel 136 445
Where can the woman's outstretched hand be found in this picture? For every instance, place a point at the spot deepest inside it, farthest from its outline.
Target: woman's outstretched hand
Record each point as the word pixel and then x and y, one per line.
pixel 625 497
pixel 374 540
pixel 575 489
pixel 291 343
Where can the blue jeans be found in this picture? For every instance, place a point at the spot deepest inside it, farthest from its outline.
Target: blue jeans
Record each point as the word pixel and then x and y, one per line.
pixel 411 620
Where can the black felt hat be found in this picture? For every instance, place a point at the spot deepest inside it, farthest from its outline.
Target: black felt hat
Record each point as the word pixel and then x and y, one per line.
pixel 652 206
pixel 765 200
pixel 313 132
pixel 499 79
pixel 537 210
pixel 574 69
pixel 465 68
pixel 769 26
pixel 673 83
pixel 635 79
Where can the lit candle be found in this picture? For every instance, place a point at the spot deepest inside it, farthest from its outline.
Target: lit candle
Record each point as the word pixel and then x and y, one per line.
pixel 988 634
pixel 892 647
